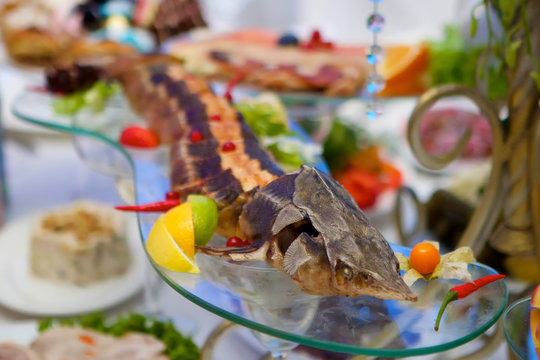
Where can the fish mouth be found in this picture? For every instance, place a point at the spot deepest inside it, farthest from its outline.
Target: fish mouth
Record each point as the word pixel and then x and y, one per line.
pixel 396 289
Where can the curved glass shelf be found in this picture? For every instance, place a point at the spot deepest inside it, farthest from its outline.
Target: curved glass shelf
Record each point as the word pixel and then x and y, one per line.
pixel 264 299
pixel 516 325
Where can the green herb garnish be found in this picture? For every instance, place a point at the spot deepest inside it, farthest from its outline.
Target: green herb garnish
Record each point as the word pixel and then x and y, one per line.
pixel 264 119
pixel 269 123
pixel 178 346
pixel 453 60
pixel 94 98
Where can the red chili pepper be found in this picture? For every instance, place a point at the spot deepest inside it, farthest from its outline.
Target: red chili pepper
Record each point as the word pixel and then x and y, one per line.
pixel 158 206
pixel 462 291
pixel 239 76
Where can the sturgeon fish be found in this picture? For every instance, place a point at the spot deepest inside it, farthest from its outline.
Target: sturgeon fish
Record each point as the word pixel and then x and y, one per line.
pixel 303 223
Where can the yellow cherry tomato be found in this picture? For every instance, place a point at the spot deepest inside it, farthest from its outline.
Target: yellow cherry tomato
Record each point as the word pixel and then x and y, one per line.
pixel 424 258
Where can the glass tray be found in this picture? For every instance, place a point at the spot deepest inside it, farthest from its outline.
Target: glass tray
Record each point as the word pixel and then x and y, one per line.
pixel 240 292
pixel 516 327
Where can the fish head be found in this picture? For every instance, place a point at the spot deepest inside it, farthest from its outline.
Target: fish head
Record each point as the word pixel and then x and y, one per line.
pixel 352 257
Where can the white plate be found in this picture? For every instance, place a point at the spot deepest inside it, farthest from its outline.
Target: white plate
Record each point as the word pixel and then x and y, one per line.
pixel 22 333
pixel 21 291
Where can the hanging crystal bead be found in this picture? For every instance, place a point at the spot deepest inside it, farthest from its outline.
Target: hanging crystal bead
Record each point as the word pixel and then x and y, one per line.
pixel 375 22
pixel 374 83
pixel 375 54
pixel 374 109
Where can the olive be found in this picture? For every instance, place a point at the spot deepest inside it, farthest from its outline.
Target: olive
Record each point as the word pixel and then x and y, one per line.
pixel 288 40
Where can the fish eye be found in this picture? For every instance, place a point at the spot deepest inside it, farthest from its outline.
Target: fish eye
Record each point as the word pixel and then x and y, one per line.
pixel 367 279
pixel 346 272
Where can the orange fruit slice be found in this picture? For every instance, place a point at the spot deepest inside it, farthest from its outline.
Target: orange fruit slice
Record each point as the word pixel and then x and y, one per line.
pixel 404 69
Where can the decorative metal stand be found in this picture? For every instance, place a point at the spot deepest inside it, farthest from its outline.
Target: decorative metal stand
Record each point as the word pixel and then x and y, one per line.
pixel 508 216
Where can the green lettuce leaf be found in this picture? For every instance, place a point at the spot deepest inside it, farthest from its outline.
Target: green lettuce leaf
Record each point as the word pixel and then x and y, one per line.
pixel 94 98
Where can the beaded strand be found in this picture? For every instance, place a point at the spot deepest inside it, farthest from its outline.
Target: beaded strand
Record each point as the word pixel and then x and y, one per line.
pixel 375 54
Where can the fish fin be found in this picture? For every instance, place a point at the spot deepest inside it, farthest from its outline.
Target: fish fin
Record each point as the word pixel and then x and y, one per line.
pixel 302 250
pixel 290 214
pixel 251 252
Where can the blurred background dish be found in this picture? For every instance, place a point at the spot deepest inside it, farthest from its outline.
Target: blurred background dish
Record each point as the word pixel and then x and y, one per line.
pixel 24 292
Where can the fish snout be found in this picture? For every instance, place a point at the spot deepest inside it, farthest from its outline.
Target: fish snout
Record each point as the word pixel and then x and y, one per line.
pixel 396 289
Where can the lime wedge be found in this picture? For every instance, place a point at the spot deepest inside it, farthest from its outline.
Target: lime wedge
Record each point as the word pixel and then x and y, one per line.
pixel 205 218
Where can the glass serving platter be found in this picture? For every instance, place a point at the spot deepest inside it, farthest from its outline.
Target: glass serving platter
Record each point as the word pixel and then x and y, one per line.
pixel 516 325
pixel 264 299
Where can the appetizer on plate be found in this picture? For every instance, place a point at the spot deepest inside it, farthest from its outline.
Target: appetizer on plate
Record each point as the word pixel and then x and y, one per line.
pixel 37 32
pixel 357 161
pixel 132 337
pixel 80 244
pixel 270 61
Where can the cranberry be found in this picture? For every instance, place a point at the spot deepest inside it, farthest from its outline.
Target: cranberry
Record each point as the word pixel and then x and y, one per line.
pixel 228 146
pixel 215 117
pixel 195 136
pixel 172 195
pixel 316 36
pixel 234 241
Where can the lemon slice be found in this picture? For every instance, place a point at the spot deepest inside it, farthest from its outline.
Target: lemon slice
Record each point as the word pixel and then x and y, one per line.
pixel 166 252
pixel 179 223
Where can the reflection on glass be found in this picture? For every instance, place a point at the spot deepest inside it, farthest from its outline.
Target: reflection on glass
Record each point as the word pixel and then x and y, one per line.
pixel 268 297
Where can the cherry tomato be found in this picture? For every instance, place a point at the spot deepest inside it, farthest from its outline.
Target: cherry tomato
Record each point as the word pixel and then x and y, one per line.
pixel 137 136
pixel 424 258
pixel 234 241
pixel 364 186
pixel 391 177
pixel 172 195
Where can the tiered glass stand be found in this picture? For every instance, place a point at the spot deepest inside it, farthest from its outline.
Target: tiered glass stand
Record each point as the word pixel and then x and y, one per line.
pixel 263 299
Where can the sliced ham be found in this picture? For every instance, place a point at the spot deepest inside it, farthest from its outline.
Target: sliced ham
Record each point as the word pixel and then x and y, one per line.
pixel 134 347
pixel 10 351
pixel 66 343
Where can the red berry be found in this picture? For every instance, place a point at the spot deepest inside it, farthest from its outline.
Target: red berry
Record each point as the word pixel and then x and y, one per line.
pixel 316 36
pixel 195 136
pixel 246 242
pixel 172 195
pixel 215 117
pixel 234 241
pixel 228 146
pixel 137 136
